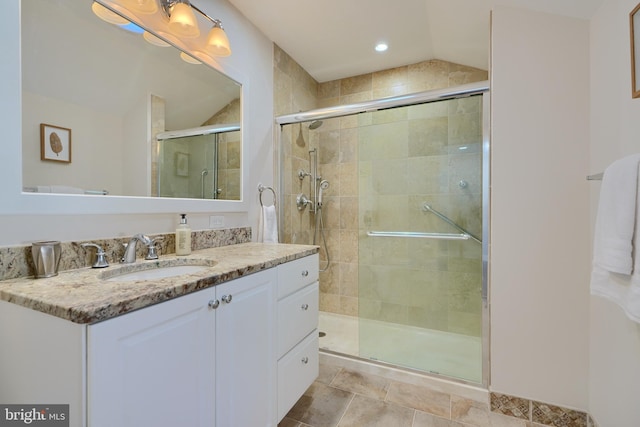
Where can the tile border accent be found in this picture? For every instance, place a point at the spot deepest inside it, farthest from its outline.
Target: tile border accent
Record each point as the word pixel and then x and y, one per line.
pixel 16 261
pixel 539 412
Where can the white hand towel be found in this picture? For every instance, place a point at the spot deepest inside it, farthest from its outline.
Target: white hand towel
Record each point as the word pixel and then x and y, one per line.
pixel 616 265
pixel 615 224
pixel 268 225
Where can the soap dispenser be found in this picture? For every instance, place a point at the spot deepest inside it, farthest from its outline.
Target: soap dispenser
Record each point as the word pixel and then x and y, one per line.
pixel 183 237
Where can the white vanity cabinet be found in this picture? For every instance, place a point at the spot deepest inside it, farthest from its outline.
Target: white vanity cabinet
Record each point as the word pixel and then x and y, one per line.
pixel 238 354
pixel 298 304
pixel 204 359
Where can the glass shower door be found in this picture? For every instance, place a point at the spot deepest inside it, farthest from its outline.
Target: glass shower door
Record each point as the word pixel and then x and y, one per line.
pixel 420 200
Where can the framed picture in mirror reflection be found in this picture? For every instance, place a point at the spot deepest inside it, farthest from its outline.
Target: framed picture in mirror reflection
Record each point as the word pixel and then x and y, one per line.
pixel 182 164
pixel 55 143
pixel 634 23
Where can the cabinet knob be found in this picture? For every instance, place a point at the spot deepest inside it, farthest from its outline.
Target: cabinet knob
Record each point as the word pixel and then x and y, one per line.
pixel 305 360
pixel 213 304
pixel 305 307
pixel 305 273
pixel 227 298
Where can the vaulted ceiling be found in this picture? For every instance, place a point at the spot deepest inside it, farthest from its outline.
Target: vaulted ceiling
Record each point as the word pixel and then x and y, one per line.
pixel 333 39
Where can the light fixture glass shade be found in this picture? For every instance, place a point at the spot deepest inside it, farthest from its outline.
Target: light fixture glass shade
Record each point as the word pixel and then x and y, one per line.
pixel 189 59
pixel 183 21
pixel 156 41
pixel 218 42
pixel 141 6
pixel 107 15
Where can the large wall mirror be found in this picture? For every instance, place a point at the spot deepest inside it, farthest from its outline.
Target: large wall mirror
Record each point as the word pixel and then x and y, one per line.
pixel 95 96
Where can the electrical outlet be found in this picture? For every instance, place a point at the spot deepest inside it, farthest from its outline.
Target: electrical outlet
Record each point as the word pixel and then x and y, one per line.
pixel 216 221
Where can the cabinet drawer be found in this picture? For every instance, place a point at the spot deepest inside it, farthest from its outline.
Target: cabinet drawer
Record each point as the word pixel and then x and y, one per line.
pixel 297 274
pixel 296 372
pixel 297 317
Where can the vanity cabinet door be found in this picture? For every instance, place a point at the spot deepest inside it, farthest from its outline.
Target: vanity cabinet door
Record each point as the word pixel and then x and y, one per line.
pixel 246 346
pixel 155 366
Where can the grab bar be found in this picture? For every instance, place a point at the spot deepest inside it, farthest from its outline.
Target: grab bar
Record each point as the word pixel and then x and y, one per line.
pixel 428 207
pixel 441 236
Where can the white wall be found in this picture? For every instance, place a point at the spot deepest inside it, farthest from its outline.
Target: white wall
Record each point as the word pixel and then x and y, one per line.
pixel 614 372
pixel 539 205
pixel 25 218
pixel 96 145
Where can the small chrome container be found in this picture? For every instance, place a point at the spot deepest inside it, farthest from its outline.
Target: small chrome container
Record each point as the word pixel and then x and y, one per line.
pixel 46 258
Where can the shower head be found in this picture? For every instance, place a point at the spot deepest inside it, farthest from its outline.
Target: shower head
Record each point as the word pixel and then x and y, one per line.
pixel 324 184
pixel 315 124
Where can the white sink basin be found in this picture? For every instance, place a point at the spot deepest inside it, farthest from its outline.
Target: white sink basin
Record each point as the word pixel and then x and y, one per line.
pixel 156 270
pixel 157 273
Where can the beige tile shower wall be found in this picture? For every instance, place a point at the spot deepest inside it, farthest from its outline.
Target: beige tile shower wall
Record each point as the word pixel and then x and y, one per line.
pixel 337 141
pixel 294 90
pixel 408 157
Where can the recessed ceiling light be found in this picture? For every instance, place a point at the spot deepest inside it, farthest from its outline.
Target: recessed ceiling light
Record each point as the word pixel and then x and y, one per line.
pixel 381 47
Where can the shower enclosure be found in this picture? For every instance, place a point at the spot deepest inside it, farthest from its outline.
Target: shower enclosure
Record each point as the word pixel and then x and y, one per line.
pixel 406 224
pixel 201 162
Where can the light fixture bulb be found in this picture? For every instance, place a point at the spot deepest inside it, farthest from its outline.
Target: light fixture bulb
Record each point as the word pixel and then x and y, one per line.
pixel 142 6
pixel 188 58
pixel 183 21
pixel 156 41
pixel 218 42
pixel 107 15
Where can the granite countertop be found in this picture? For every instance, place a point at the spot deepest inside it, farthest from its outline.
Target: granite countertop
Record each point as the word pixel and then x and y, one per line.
pixel 86 296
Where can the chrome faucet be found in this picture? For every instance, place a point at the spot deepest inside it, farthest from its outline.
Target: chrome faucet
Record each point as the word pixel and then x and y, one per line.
pixel 129 256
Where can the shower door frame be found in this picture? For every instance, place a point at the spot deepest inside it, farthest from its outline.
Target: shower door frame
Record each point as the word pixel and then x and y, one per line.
pixel 479 88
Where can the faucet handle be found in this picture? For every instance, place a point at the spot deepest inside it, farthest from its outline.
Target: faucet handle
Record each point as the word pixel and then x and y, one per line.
pixel 151 248
pixel 101 257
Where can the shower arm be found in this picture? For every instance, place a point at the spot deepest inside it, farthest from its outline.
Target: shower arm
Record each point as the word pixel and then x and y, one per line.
pixel 427 207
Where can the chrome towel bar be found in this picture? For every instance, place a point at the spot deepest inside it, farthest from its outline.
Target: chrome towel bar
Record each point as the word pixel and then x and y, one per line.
pixel 441 236
pixel 428 208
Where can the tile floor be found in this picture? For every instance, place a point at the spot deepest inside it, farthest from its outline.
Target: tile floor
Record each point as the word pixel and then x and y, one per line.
pixel 351 394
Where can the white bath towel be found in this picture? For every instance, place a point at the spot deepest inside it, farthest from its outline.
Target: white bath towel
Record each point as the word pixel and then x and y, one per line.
pixel 268 225
pixel 616 265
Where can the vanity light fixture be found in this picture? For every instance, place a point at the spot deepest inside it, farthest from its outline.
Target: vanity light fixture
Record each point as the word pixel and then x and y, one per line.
pixel 217 41
pixel 146 7
pixel 107 15
pixel 182 20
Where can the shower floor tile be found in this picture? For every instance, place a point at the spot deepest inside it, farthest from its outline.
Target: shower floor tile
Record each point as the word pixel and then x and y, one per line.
pixel 449 354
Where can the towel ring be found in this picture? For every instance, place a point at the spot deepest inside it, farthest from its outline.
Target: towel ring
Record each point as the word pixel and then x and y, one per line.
pixel 261 189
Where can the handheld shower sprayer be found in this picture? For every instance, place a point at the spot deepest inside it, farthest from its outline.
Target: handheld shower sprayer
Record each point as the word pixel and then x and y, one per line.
pixel 324 184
